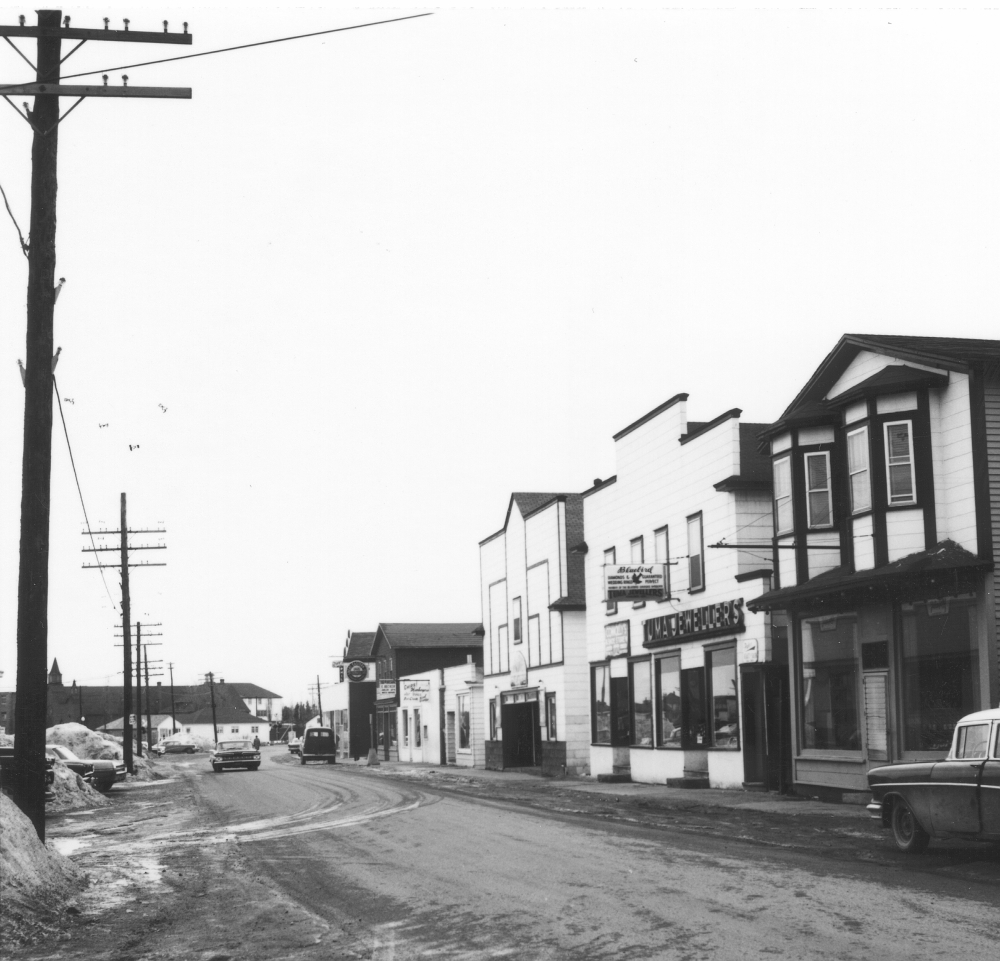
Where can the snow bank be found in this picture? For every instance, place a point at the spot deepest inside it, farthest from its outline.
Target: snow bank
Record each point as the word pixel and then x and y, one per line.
pixel 34 879
pixel 91 745
pixel 72 792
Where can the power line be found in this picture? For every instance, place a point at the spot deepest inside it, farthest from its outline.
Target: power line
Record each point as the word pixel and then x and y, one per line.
pixel 20 236
pixel 242 46
pixel 79 490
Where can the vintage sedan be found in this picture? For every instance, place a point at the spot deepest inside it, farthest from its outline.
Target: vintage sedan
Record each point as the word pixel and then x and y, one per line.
pixel 235 753
pixel 175 744
pixel 958 797
pixel 102 774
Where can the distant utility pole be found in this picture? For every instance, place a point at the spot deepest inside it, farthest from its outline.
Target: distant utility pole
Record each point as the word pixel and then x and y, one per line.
pixel 215 725
pixel 319 696
pixel 173 710
pixel 139 648
pixel 36 464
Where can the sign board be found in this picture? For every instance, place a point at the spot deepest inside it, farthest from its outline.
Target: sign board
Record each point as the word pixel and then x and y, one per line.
pixel 635 582
pixel 386 689
pixel 411 689
pixel 616 639
pixel 709 621
pixel 750 651
pixel 357 671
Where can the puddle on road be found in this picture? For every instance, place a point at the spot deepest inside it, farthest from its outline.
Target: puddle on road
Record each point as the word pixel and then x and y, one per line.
pixel 67 846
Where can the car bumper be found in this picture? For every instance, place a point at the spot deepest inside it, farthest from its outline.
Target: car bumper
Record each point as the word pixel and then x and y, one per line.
pixel 874 810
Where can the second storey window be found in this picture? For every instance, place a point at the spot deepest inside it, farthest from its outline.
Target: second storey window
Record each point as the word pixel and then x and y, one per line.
pixel 818 490
pixel 696 554
pixel 661 551
pixel 899 462
pixel 857 467
pixel 517 620
pixel 609 561
pixel 636 549
pixel 783 521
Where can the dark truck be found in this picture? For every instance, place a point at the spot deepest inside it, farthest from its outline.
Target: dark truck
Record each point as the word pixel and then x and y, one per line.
pixel 318 744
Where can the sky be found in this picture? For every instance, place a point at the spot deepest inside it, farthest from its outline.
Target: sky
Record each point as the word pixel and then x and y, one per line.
pixel 321 320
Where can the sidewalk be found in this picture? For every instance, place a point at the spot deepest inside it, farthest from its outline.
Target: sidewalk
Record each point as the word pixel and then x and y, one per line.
pixel 788 805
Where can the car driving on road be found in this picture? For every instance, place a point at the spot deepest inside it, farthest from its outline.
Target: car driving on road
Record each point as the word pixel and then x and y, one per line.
pixel 175 744
pixel 958 797
pixel 234 753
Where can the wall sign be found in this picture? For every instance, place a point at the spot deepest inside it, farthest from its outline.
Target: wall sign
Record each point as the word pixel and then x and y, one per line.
pixel 357 671
pixel 414 690
pixel 616 639
pixel 723 618
pixel 750 651
pixel 635 582
pixel 386 689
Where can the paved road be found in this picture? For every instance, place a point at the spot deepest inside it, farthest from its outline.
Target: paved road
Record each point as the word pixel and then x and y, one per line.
pixel 398 869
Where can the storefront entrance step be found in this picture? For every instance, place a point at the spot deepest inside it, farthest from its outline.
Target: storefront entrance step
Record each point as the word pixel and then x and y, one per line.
pixel 622 778
pixel 688 782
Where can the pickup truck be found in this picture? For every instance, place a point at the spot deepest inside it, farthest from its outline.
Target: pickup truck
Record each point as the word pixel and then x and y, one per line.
pixel 957 797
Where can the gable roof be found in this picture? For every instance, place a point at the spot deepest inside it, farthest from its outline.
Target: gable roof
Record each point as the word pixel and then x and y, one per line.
pixel 253 691
pixel 360 645
pixel 432 635
pixel 527 503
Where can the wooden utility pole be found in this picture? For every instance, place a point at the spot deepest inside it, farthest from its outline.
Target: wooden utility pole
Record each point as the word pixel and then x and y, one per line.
pixel 173 710
pixel 149 720
pixel 215 724
pixel 36 463
pixel 138 682
pixel 127 644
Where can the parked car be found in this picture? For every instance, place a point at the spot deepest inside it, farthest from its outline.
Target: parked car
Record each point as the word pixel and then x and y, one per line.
pixel 294 745
pixel 318 744
pixel 958 797
pixel 175 744
pixel 7 763
pixel 102 774
pixel 239 753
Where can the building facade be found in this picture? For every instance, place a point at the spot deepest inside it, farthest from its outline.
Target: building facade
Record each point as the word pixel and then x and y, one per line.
pixel 886 507
pixel 680 682
pixel 535 659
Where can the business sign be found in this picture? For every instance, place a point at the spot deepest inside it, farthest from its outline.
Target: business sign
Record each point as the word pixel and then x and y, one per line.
pixel 386 689
pixel 414 690
pixel 616 639
pixel 357 671
pixel 635 582
pixel 723 618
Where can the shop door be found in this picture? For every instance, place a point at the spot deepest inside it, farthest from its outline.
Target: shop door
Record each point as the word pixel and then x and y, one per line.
pixel 876 717
pixel 621 718
pixel 767 755
pixel 451 738
pixel 694 711
pixel 754 728
pixel 520 731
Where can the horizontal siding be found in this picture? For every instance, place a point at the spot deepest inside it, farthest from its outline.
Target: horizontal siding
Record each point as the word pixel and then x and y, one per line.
pixel 864 543
pixel 904 532
pixel 991 397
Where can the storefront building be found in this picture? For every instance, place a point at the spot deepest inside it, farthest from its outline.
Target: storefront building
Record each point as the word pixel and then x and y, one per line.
pixel 886 471
pixel 535 658
pixel 686 684
pixel 352 696
pixel 405 650
pixel 441 717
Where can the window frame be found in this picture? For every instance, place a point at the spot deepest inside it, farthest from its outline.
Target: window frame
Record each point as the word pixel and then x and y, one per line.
pixel 665 560
pixel 710 653
pixel 674 656
pixel 784 461
pixel 867 469
pixel 828 490
pixel 417 741
pixel 551 726
pixel 462 700
pixel 515 609
pixel 594 669
pixel 699 517
pixel 610 607
pixel 493 719
pixel 647 663
pixel 910 462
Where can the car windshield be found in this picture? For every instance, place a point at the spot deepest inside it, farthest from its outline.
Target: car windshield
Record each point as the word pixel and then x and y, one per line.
pixel 235 746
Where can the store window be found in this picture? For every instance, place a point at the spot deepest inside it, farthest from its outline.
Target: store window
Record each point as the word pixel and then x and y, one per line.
pixel 611 607
pixel 416 728
pixel 696 554
pixel 857 467
pixel 406 728
pixel 940 677
pixel 601 713
pixel 818 502
pixel 899 462
pixel 552 730
pixel 642 703
pixel 668 699
pixel 725 718
pixel 830 718
pixel 783 519
pixel 493 718
pixel 464 723
pixel 392 730
pixel 516 604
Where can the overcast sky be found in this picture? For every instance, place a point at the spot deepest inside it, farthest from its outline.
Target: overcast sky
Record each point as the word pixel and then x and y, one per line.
pixel 340 304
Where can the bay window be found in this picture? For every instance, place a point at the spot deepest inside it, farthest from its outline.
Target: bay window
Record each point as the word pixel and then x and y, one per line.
pixel 783 519
pixel 819 506
pixel 858 469
pixel 899 462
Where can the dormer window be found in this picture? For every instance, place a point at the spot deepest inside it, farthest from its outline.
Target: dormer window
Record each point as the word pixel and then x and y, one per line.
pixel 899 462
pixel 783 519
pixel 818 502
pixel 857 467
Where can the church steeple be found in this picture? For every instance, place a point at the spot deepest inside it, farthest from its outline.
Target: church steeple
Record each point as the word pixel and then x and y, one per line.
pixel 55 675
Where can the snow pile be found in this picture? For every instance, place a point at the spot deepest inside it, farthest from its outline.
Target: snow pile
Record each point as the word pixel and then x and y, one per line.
pixel 72 792
pixel 91 745
pixel 35 881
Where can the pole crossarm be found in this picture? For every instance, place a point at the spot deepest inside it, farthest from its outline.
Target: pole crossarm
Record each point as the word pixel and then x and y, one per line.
pixel 131 530
pixel 132 547
pixel 88 567
pixel 96 90
pixel 85 33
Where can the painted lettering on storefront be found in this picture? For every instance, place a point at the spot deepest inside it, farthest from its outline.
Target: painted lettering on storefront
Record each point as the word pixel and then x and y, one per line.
pixel 710 619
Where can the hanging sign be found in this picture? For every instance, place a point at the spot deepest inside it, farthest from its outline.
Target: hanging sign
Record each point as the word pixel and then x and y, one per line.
pixel 386 689
pixel 635 582
pixel 414 689
pixel 723 618
pixel 357 671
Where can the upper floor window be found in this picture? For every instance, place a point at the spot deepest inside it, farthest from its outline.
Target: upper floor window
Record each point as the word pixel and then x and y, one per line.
pixel 517 620
pixel 783 520
pixel 818 501
pixel 696 554
pixel 637 551
pixel 899 462
pixel 610 561
pixel 661 552
pixel 857 467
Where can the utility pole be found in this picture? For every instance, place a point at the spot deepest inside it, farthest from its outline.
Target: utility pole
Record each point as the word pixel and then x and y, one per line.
pixel 149 720
pixel 138 664
pixel 36 463
pixel 139 647
pixel 211 688
pixel 173 710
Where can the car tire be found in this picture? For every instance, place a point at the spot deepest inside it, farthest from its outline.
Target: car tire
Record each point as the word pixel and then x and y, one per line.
pixel 909 836
pixel 253 767
pixel 216 768
pixel 302 760
pixel 190 750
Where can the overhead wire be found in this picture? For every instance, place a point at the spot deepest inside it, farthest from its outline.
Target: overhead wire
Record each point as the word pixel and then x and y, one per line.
pixel 79 490
pixel 17 227
pixel 242 46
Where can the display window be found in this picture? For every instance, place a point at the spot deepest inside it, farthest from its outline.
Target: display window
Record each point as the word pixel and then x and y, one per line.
pixel 723 698
pixel 601 713
pixel 668 701
pixel 642 703
pixel 829 683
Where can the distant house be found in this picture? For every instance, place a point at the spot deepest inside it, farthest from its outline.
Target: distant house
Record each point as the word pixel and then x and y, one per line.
pixel 163 725
pixel 229 724
pixel 259 701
